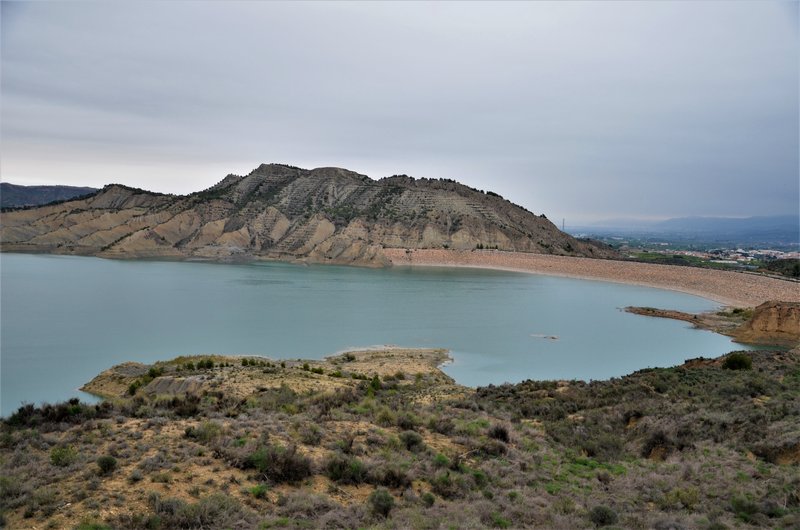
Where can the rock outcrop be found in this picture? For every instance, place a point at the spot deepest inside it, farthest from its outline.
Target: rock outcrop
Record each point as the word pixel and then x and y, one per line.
pixel 286 213
pixel 772 323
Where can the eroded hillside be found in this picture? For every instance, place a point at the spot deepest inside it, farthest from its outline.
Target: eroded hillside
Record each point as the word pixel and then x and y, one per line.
pixel 286 213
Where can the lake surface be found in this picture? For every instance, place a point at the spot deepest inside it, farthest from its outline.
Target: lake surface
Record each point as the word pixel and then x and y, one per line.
pixel 65 319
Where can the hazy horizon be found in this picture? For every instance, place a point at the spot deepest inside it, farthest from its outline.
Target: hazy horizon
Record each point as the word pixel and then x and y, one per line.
pixel 583 111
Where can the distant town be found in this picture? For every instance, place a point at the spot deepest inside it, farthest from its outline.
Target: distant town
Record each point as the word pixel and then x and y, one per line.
pixel 768 245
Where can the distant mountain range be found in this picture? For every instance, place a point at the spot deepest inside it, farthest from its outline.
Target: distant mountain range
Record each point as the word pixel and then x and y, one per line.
pixel 283 212
pixel 15 196
pixel 778 229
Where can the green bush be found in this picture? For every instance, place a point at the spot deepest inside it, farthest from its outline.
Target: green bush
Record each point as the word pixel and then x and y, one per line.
pixel 63 456
pixel 428 499
pixel 133 387
pixel 259 491
pixel 381 502
pixel 389 474
pixel 345 470
pixel 499 522
pixel 441 461
pixel 205 432
pixel 603 516
pixel 375 383
pixel 738 361
pixel 279 464
pixel 411 440
pixel 106 464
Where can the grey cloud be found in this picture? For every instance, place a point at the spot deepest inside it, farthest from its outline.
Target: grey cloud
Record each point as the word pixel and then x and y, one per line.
pixel 576 109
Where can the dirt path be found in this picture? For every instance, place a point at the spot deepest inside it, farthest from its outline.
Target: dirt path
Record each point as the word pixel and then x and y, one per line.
pixel 726 287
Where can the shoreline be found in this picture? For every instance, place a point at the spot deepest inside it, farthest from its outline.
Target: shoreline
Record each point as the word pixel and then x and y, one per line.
pixel 735 289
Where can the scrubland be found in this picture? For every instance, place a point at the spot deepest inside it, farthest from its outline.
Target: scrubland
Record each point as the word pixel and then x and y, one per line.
pixel 386 440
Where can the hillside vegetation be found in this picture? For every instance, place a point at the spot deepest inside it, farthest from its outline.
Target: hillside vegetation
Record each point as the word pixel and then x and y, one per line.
pixel 383 439
pixel 328 215
pixel 15 196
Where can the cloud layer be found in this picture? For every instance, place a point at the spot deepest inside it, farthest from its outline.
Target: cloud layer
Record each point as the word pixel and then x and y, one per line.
pixel 582 110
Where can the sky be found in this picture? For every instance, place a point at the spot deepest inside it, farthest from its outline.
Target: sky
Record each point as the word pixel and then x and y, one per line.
pixel 578 110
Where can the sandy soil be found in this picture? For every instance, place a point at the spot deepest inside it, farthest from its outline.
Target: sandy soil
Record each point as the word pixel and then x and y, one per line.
pixel 729 288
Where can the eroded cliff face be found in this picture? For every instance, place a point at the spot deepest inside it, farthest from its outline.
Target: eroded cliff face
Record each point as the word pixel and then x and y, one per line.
pixel 772 323
pixel 281 212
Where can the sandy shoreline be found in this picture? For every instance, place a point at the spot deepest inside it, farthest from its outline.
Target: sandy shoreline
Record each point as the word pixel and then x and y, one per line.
pixel 726 287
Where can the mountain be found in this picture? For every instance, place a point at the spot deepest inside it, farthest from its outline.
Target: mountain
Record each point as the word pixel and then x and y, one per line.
pixel 282 212
pixel 763 231
pixel 775 225
pixel 15 196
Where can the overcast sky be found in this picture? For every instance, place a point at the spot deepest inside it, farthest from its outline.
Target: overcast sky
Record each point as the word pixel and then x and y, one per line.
pixel 574 109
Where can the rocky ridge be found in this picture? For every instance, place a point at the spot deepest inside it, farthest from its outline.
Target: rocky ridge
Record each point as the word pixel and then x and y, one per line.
pixel 280 212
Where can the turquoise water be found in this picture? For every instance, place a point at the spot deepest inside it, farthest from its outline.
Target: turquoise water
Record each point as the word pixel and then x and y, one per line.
pixel 65 319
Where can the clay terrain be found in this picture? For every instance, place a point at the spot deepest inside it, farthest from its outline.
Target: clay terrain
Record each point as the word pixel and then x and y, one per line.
pixel 326 215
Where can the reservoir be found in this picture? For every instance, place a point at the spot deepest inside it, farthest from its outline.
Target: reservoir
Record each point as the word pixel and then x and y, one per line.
pixel 65 319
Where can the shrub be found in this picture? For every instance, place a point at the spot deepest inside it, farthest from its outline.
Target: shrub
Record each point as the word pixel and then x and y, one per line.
pixel 499 522
pixel 214 511
pixel 744 508
pixel 310 433
pixel 375 383
pixel 428 499
pixel 279 464
pixel 259 491
pixel 603 516
pixel 738 361
pixel 106 464
pixel 446 486
pixel 345 470
pixel 441 461
pixel 411 440
pixel 391 475
pixel 406 422
pixel 205 432
pixel 63 456
pixel 442 425
pixel 480 478
pixel 381 502
pixel 499 432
